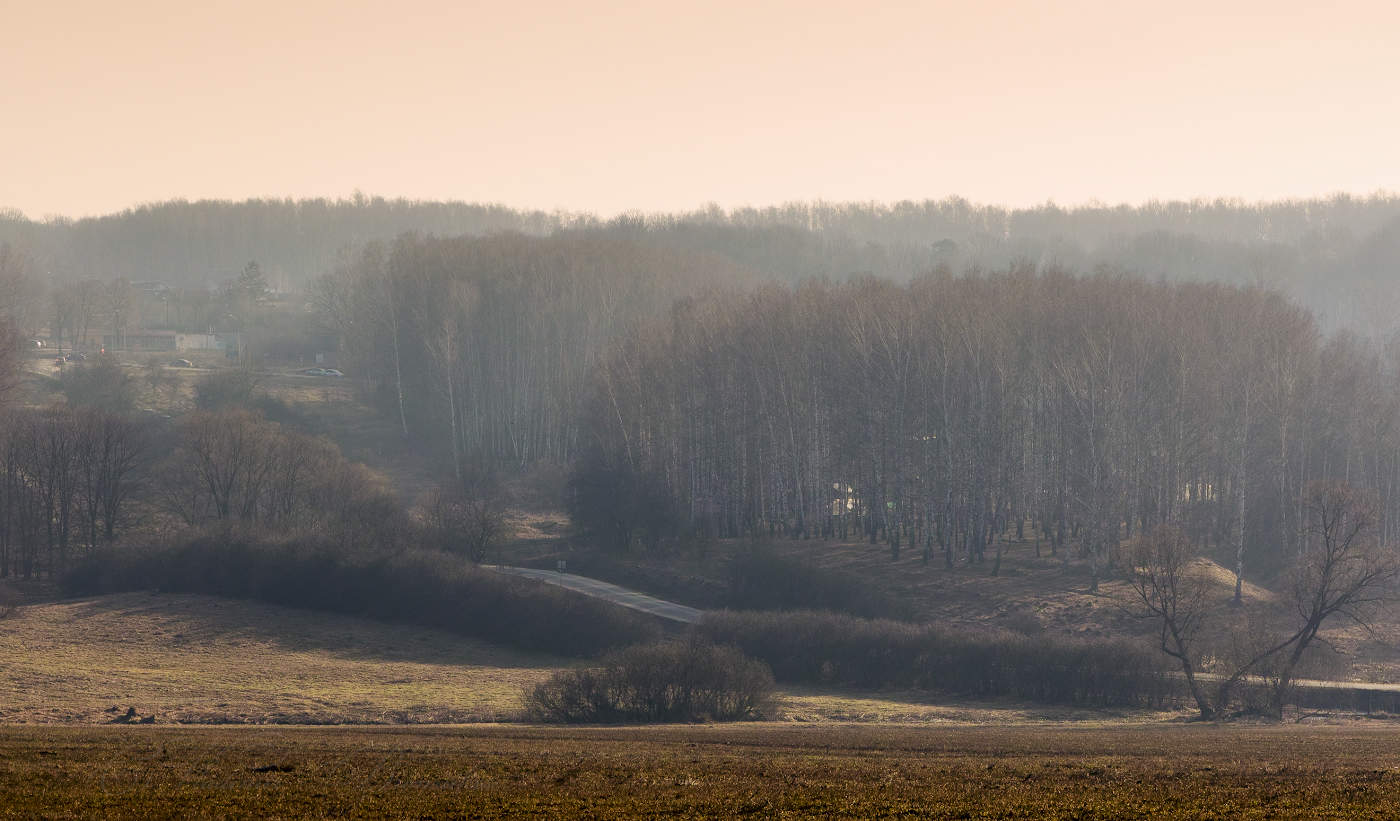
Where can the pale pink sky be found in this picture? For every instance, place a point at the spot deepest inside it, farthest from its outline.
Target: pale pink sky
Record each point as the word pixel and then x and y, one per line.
pixel 609 106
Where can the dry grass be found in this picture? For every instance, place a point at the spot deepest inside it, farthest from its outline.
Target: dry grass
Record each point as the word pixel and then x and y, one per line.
pixel 705 771
pixel 202 659
pixel 900 707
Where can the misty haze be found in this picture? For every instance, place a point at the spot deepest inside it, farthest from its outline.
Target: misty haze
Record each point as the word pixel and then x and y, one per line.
pixel 785 411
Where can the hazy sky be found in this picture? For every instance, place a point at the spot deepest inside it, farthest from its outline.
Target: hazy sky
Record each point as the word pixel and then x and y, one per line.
pixel 609 106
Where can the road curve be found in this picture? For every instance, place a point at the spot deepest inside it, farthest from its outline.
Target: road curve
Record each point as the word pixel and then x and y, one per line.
pixel 610 592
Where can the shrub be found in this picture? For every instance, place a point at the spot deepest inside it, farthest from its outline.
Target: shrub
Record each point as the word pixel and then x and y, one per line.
pixel 817 647
pixel 102 384
pixel 762 580
pixel 226 389
pixel 454 523
pixel 612 505
pixel 415 587
pixel 665 682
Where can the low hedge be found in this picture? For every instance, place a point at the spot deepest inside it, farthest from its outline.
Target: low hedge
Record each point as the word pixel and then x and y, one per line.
pixel 414 587
pixel 763 580
pixel 822 647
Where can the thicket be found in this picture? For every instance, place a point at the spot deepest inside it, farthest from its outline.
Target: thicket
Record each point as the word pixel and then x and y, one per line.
pixel 763 580
pixel 414 587
pixel 664 682
pixel 826 648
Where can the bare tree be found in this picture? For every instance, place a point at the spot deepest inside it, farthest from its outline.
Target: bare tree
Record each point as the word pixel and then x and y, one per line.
pixel 1345 572
pixel 112 453
pixel 444 346
pixel 221 464
pixel 1167 591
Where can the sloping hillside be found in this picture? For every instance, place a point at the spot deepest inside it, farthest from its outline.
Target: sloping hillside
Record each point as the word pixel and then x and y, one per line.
pixel 200 659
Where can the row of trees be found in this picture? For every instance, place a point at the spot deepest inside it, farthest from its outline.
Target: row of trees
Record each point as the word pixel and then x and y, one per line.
pixel 953 413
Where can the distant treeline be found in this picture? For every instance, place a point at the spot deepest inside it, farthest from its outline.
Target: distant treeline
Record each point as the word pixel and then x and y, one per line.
pixel 1306 247
pixel 951 414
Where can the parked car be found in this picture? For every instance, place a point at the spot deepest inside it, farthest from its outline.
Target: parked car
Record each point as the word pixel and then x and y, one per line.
pixel 331 372
pixel 181 363
pixel 312 371
pixel 76 357
pixel 36 343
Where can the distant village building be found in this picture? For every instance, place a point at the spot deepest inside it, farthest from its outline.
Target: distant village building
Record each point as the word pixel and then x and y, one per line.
pixel 196 342
pixel 229 343
pixel 135 340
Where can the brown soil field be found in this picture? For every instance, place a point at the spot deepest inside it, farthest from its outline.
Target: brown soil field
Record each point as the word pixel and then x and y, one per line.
pixel 769 771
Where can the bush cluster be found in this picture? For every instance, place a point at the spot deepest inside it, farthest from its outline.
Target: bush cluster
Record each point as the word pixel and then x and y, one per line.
pixel 817 647
pixel 415 587
pixel 663 682
pixel 762 580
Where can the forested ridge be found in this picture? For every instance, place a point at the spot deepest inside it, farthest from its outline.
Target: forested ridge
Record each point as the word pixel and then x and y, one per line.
pixel 1335 254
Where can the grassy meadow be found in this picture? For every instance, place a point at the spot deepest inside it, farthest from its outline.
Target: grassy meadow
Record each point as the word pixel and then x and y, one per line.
pixel 201 659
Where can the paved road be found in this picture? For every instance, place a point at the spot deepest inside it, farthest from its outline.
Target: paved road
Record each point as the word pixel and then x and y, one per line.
pixel 610 592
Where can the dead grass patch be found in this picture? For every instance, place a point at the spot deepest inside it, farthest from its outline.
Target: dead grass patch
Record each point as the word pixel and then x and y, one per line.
pixel 199 659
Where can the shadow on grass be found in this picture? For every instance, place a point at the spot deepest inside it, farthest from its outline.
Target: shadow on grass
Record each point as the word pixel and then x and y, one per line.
pixel 195 621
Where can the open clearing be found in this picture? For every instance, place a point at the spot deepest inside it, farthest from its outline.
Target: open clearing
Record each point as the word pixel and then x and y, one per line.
pixel 765 770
